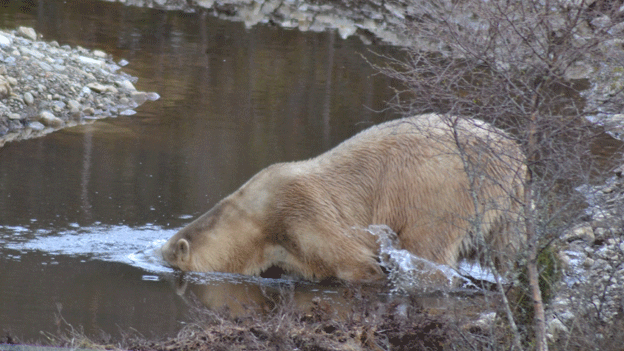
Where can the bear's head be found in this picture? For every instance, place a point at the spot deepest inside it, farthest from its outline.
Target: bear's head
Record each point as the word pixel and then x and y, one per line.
pixel 231 236
pixel 225 239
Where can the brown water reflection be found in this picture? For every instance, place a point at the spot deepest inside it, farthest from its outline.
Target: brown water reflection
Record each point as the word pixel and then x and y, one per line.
pixel 238 296
pixel 233 100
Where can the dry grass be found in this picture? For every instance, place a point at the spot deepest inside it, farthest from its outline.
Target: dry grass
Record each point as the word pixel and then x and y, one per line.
pixel 370 324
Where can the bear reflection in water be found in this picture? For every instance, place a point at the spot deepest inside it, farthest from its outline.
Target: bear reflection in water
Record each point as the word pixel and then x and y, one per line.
pixel 243 296
pixel 443 190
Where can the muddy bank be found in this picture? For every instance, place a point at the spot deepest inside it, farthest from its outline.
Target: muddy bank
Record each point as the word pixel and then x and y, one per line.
pixel 45 86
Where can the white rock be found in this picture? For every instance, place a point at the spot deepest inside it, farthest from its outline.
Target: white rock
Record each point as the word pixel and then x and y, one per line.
pixel 4 41
pixel 485 321
pixel 99 53
pixel 89 111
pixel 564 259
pixel 583 232
pixel 346 31
pixel 588 263
pixel 126 84
pixel 50 120
pixel 74 105
pixel 152 96
pixel 27 32
pixel 28 98
pixel 579 70
pixel 90 61
pixel 556 328
pixel 5 87
pixel 45 66
pixel 128 112
pixel 100 88
pixel 36 125
pixel 139 97
pixel 601 21
pixel 205 3
pixel 32 53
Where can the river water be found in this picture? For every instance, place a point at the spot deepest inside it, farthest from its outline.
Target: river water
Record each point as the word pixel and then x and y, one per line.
pixel 82 209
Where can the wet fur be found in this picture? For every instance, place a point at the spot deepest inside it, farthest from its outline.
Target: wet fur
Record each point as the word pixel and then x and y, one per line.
pixel 310 217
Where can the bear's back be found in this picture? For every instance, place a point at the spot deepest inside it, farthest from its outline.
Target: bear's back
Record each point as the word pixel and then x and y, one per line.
pixel 422 176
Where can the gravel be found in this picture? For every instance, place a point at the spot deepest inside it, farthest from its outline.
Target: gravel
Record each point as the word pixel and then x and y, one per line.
pixel 45 86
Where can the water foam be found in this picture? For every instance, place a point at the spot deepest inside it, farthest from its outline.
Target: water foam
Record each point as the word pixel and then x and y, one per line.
pixel 410 273
pixel 136 246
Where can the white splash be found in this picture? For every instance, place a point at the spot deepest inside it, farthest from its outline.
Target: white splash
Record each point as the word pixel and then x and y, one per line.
pixel 408 272
pixel 136 246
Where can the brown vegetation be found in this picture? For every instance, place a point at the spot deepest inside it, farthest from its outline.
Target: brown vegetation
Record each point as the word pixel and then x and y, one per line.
pixel 402 323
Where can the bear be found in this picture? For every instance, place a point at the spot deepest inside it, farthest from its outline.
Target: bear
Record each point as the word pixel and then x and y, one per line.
pixel 445 185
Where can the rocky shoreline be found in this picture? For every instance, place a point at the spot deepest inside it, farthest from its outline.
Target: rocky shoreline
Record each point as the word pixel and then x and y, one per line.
pixel 592 262
pixel 45 86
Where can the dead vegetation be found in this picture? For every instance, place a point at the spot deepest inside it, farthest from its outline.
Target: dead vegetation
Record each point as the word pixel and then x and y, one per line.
pixel 372 323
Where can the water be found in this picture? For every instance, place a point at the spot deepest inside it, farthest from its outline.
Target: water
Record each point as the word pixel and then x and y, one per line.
pixel 82 210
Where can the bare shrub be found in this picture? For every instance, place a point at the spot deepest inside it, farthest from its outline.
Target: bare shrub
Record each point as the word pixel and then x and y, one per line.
pixel 522 66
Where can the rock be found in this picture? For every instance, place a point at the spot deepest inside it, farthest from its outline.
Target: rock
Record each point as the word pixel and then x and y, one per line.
pixel 583 232
pixel 564 259
pixel 58 106
pixel 485 321
pixel 32 53
pixel 99 88
pixel 89 111
pixel 28 98
pixel 579 70
pixel 14 116
pixel 4 41
pixel 27 32
pixel 99 53
pixel 74 106
pixel 5 88
pixel 601 233
pixel 601 21
pixel 45 66
pixel 36 126
pixel 556 328
pixel 128 112
pixel 126 84
pixel 152 96
pixel 50 120
pixel 90 61
pixel 139 97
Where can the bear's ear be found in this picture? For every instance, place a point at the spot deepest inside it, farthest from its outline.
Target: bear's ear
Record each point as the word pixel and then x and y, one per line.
pixel 182 250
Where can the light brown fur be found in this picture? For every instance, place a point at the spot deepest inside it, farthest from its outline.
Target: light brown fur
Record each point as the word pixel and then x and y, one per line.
pixel 416 175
